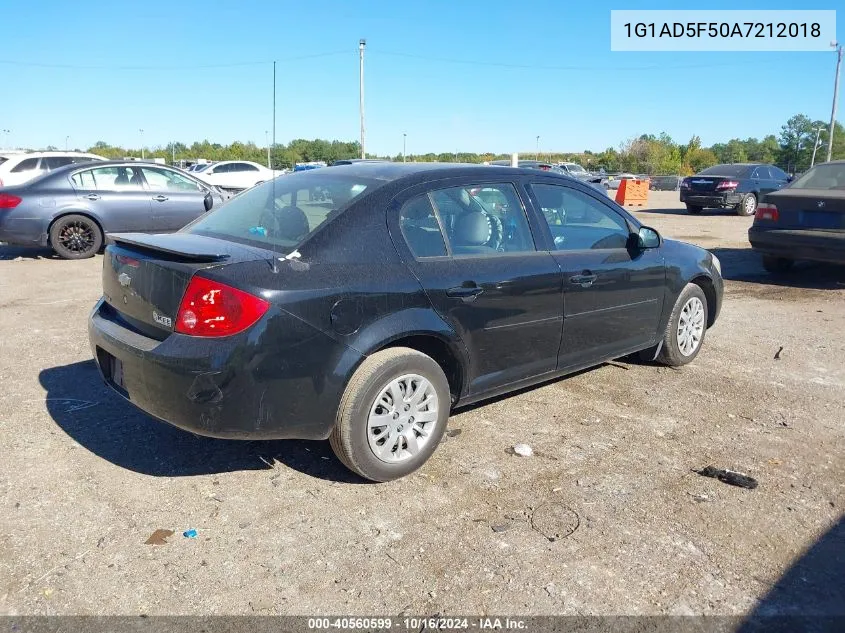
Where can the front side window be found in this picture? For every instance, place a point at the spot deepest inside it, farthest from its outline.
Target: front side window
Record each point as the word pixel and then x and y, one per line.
pixel 54 162
pixel 778 173
pixel 246 167
pixel 483 219
pixel 280 214
pixel 420 228
pixel 166 180
pixel 578 221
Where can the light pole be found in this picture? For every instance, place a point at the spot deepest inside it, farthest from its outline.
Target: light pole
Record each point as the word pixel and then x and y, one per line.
pixel 816 146
pixel 361 44
pixel 142 144
pixel 538 149
pixel 6 132
pixel 66 139
pixel 838 48
pixel 267 142
pixel 404 145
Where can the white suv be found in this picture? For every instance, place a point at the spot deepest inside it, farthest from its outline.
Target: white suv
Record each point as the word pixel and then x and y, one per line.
pixel 235 175
pixel 16 169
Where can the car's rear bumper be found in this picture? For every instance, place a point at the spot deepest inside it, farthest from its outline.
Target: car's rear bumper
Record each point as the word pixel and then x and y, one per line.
pixel 711 199
pixel 281 379
pixel 23 231
pixel 807 244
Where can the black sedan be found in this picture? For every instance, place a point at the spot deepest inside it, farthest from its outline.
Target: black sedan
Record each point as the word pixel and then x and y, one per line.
pixel 366 316
pixel 72 208
pixel 739 187
pixel 805 220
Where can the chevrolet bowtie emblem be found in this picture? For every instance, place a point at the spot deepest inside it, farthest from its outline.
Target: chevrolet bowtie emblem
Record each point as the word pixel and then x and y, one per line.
pixel 124 279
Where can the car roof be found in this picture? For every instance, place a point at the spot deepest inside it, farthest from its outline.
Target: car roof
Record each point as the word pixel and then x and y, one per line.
pixel 390 171
pixel 48 154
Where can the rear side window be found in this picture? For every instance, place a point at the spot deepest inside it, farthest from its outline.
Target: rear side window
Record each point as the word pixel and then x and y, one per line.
pixel 109 179
pixel 25 165
pixel 420 228
pixel 53 162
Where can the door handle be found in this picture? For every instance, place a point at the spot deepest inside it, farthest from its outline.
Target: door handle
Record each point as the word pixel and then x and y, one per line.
pixel 585 279
pixel 92 196
pixel 160 198
pixel 466 293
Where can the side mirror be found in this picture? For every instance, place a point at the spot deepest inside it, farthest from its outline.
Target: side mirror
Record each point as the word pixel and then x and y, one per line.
pixel 790 178
pixel 208 201
pixel 648 238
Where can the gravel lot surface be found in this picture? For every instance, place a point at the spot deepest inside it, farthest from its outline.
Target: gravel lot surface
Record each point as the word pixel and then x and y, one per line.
pixel 606 517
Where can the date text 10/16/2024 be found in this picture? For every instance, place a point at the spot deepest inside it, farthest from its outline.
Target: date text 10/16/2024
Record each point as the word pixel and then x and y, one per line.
pixel 417 623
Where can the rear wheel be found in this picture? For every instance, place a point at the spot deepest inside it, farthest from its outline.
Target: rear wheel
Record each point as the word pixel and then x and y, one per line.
pixel 684 334
pixel 75 237
pixel 776 264
pixel 692 208
pixel 747 206
pixel 392 414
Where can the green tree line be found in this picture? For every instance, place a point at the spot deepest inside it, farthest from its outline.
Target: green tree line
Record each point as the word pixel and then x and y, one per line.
pixel 791 150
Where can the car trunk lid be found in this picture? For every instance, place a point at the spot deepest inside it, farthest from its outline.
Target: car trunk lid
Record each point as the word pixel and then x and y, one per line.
pixel 706 183
pixel 145 276
pixel 809 208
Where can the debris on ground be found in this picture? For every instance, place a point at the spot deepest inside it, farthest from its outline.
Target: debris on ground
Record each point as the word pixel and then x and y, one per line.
pixel 700 498
pixel 159 537
pixel 523 450
pixel 555 521
pixel 453 432
pixel 729 477
pixel 777 353
pixel 550 589
pixel 192 533
pixel 503 527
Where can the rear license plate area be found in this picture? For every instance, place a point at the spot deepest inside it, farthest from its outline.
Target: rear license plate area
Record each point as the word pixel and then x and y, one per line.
pixel 112 369
pixel 822 219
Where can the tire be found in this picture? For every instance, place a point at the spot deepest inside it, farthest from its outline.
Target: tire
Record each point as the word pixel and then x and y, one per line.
pixel 747 206
pixel 75 237
pixel 776 265
pixel 693 209
pixel 673 352
pixel 352 440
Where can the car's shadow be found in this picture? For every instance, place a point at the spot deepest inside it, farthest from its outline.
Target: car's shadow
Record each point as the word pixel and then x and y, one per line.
pixel 743 264
pixel 10 251
pixel 810 596
pixel 108 426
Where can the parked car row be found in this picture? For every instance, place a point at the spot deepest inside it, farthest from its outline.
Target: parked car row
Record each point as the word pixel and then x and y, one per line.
pixel 20 167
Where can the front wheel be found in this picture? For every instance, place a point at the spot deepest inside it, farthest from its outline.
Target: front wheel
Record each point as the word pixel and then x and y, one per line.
pixel 75 237
pixel 776 264
pixel 392 414
pixel 684 334
pixel 694 209
pixel 747 206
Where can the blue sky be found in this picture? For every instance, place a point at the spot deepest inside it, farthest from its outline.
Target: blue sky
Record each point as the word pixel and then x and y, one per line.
pixel 187 70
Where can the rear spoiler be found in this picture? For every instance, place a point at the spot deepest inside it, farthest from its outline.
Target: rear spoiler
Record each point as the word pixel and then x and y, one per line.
pixel 185 247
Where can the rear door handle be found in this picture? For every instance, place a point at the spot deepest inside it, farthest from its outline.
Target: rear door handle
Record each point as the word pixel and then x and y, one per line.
pixel 161 198
pixel 92 196
pixel 465 293
pixel 585 279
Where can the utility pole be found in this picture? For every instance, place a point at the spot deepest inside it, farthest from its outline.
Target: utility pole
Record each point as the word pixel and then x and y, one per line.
pixel 816 146
pixel 267 143
pixel 538 149
pixel 66 140
pixel 838 48
pixel 274 115
pixel 142 144
pixel 361 44
pixel 404 145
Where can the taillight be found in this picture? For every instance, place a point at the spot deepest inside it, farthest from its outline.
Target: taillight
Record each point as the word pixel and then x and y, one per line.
pixel 727 184
pixel 210 308
pixel 8 201
pixel 767 211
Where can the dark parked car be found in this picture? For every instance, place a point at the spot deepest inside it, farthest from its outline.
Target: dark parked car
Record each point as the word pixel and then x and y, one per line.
pixel 353 161
pixel 804 220
pixel 367 317
pixel 738 187
pixel 72 208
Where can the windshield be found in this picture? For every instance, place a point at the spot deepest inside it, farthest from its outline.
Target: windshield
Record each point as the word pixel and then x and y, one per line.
pixel 735 171
pixel 281 213
pixel 824 176
pixel 574 167
pixel 200 167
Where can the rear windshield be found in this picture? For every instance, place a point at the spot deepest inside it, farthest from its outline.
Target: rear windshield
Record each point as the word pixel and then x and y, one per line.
pixel 281 213
pixel 824 176
pixel 736 171
pixel 3 159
